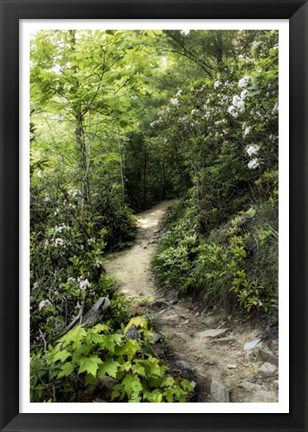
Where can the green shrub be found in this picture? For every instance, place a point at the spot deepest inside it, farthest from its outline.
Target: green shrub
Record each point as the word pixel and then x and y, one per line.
pixel 83 357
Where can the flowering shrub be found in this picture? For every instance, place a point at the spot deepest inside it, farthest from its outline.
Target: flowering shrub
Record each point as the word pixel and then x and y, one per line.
pixel 225 135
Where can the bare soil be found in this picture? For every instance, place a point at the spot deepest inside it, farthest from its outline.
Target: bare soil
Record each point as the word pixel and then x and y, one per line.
pixel 216 355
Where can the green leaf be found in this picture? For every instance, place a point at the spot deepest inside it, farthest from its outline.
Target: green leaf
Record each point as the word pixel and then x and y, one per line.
pixel 109 367
pixel 168 382
pixel 73 336
pixel 89 364
pixel 132 385
pixel 62 356
pixel 138 369
pixel 137 321
pixel 130 348
pixel 66 370
pixel 187 385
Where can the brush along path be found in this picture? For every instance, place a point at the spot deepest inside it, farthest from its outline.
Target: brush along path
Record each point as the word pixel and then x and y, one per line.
pixel 230 360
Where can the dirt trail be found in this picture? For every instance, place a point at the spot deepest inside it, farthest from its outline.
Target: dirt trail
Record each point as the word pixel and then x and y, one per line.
pixel 211 345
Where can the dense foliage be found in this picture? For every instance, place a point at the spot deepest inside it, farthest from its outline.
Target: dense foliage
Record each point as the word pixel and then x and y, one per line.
pixel 121 120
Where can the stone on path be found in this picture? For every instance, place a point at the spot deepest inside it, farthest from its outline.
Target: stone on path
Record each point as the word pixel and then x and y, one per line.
pixel 252 344
pixel 267 356
pixel 254 393
pixel 267 370
pixel 231 366
pixel 219 392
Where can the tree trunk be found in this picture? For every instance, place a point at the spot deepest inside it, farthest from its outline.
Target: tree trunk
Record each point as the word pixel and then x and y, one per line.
pixel 83 166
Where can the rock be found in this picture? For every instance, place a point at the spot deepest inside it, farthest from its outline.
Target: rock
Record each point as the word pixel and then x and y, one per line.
pixel 249 386
pixel 209 320
pixel 231 366
pixel 212 333
pixel 265 396
pixel 276 384
pixel 252 344
pixel 156 231
pixel 160 303
pixel 157 337
pixel 224 341
pixel 267 370
pixel 219 392
pixel 184 369
pixel 247 391
pixel 267 356
pixel 197 314
pixel 182 364
pixel 132 333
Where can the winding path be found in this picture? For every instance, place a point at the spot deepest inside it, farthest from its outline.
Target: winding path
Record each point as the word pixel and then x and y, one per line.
pixel 209 342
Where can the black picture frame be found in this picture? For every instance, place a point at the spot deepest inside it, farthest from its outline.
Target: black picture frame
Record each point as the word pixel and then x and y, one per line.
pixel 11 12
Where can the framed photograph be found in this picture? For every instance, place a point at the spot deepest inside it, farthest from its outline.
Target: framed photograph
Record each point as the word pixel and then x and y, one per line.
pixel 154 215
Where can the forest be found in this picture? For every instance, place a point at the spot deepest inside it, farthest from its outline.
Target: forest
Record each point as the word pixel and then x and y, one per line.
pixel 153 153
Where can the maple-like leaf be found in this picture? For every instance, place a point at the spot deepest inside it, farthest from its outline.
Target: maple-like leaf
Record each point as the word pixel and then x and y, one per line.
pixel 89 364
pixel 132 385
pixel 62 356
pixel 66 370
pixel 109 367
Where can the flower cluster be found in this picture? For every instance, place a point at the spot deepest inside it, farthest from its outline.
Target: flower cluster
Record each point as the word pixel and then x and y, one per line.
pixel 84 284
pixel 44 304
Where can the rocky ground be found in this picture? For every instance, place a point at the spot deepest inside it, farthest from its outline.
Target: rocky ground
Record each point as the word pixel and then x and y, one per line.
pixel 231 360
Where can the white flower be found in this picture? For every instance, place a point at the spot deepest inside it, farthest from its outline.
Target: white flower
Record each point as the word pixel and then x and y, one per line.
pixel 255 45
pixel 232 111
pixel 253 164
pixel 194 111
pixel 247 132
pixel 74 192
pixel 61 227
pixel 71 280
pixel 47 198
pixel 39 174
pixel 244 94
pixel 59 242
pixel 35 285
pixel 252 149
pixel 43 304
pixel 217 84
pixel 179 93
pixel 84 284
pixel 275 109
pixel 238 102
pixel 174 101
pixel 244 81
